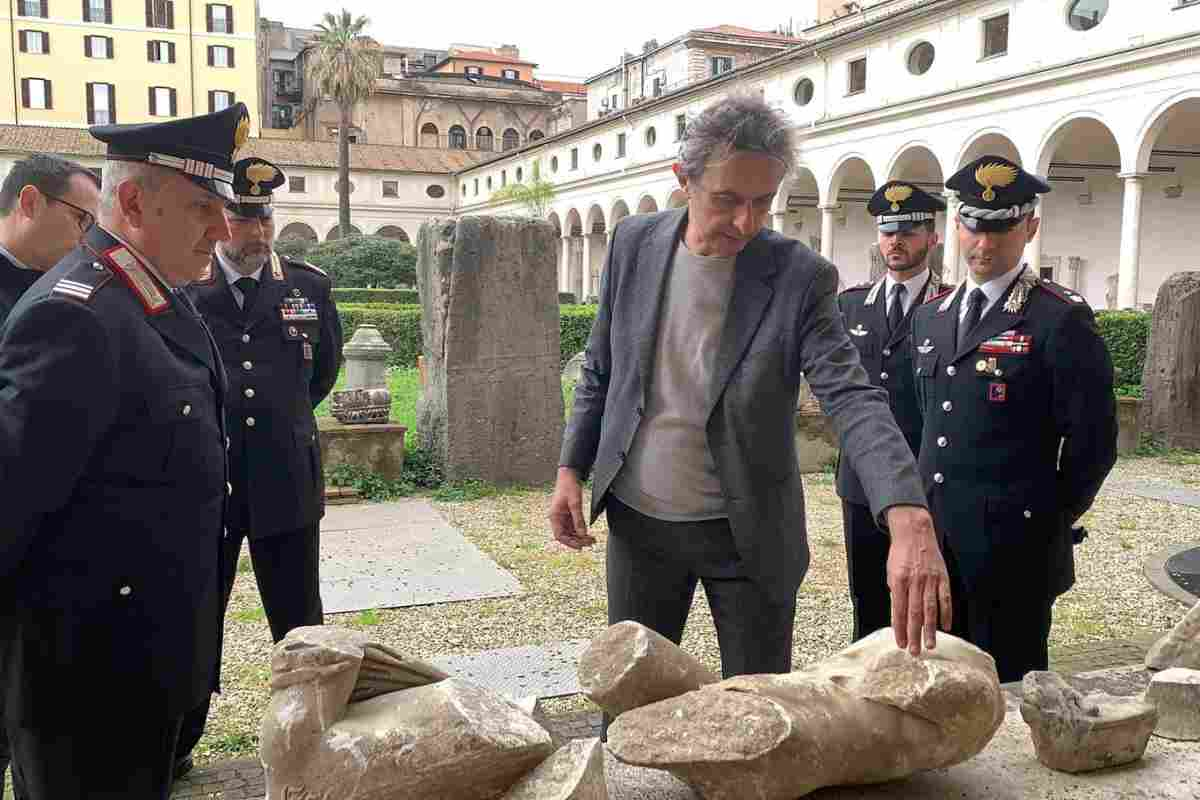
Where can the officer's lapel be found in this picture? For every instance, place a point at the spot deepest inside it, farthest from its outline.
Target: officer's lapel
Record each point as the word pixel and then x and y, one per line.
pixel 945 320
pixel 272 286
pixel 218 295
pixel 653 266
pixel 186 331
pixel 752 291
pixel 995 321
pixel 896 336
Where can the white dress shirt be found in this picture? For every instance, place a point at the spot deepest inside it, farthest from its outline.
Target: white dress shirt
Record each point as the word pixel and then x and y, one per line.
pixel 911 287
pixel 993 289
pixel 232 275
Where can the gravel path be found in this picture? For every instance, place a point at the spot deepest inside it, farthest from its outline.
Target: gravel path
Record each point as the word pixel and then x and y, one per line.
pixel 566 598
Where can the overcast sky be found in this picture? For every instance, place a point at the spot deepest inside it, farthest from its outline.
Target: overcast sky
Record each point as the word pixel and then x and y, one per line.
pixel 577 38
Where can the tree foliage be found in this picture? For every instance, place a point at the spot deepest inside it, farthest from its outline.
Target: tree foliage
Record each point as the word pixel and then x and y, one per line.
pixel 366 261
pixel 536 195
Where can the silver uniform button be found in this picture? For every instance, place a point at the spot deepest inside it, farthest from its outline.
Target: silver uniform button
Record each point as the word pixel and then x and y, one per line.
pixel 228 487
pixel 943 441
pixel 125 591
pixel 883 376
pixel 247 365
pixel 249 392
pixel 245 337
pixel 187 409
pixel 999 372
pixel 951 370
pixel 249 422
pixel 947 406
pixel 1028 514
pixel 939 477
pixel 886 352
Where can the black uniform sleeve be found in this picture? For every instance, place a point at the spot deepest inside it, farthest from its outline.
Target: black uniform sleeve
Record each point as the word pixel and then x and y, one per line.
pixel 328 351
pixel 1085 410
pixel 57 397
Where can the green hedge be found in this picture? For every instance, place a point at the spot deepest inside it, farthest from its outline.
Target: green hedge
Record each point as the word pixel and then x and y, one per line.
pixel 401 296
pixel 1126 333
pixel 574 325
pixel 399 326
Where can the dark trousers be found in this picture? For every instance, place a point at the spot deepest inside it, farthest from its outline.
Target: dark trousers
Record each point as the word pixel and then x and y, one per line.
pixel 117 758
pixel 286 569
pixel 866 564
pixel 653 569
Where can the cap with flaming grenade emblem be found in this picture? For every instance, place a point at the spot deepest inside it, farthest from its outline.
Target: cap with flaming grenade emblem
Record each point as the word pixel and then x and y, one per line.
pixel 996 194
pixel 900 206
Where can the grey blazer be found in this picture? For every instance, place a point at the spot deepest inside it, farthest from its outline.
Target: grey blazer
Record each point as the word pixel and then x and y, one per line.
pixel 782 321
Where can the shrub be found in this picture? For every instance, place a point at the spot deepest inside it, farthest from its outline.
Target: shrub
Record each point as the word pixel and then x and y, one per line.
pixel 366 261
pixel 566 298
pixel 394 296
pixel 1126 333
pixel 574 325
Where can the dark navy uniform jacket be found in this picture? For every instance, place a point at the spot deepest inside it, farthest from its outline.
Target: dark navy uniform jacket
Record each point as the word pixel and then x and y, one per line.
pixel 14 281
pixel 283 359
pixel 887 358
pixel 997 408
pixel 112 463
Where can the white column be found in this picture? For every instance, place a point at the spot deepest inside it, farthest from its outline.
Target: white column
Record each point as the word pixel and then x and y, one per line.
pixel 827 213
pixel 1033 250
pixel 950 240
pixel 1131 235
pixel 585 268
pixel 564 265
pixel 777 222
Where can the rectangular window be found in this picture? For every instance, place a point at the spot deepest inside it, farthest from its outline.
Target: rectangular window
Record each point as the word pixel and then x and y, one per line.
pixel 162 101
pixel 160 52
pixel 473 70
pixel 281 116
pixel 97 11
pixel 160 14
pixel 680 126
pixel 995 36
pixel 391 188
pixel 620 145
pixel 574 158
pixel 98 46
pixel 220 56
pixel 719 65
pixel 219 100
pixel 657 85
pixel 431 60
pixel 504 177
pixel 101 104
pixel 35 93
pixel 37 42
pixel 220 18
pixel 613 106
pixel 296 184
pixel 476 187
pixel 856 76
pixel 510 74
pixel 32 8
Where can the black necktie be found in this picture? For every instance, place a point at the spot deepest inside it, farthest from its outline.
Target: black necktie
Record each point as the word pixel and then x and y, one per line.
pixel 896 312
pixel 249 288
pixel 974 312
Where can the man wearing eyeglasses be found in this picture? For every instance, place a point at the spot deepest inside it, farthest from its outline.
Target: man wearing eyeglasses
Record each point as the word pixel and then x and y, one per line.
pixel 46 204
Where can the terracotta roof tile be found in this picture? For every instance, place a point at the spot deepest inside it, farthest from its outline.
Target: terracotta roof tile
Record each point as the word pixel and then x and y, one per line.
pixel 737 30
pixel 566 87
pixel 484 55
pixel 284 152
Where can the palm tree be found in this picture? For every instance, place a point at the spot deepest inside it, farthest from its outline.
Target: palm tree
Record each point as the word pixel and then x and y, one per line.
pixel 343 64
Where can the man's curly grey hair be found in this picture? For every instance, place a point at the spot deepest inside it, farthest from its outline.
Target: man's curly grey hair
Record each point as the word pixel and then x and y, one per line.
pixel 737 122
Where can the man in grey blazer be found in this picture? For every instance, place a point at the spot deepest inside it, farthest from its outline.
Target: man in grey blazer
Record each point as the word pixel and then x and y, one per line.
pixel 684 411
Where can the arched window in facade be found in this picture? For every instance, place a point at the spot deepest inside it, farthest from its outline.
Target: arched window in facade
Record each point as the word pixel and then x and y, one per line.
pixel 512 139
pixel 458 137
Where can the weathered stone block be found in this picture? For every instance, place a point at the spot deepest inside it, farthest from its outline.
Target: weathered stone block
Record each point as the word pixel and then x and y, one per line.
pixel 1170 411
pixel 492 404
pixel 1180 647
pixel 378 447
pixel 1176 694
pixel 574 772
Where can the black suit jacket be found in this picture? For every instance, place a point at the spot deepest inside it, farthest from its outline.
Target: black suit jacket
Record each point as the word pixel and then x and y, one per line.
pixel 782 321
pixel 112 463
pixel 14 281
pixel 1020 432
pixel 279 371
pixel 887 358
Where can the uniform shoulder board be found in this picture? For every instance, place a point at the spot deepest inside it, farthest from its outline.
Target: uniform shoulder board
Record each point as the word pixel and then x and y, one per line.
pixel 82 284
pixel 858 287
pixel 295 262
pixel 1061 292
pixel 940 294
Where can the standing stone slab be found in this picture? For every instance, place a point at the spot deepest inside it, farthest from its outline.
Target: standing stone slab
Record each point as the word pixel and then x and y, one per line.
pixel 1180 647
pixel 1170 410
pixel 492 406
pixel 1176 694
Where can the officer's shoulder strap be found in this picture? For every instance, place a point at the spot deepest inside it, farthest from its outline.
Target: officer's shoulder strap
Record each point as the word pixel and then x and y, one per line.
pixel 940 294
pixel 82 282
pixel 858 287
pixel 1057 290
pixel 296 262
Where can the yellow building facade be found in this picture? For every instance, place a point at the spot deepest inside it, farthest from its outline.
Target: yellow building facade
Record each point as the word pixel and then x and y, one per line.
pixel 71 63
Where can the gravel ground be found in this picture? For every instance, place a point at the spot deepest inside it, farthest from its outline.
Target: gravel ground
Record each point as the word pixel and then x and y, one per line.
pixel 566 598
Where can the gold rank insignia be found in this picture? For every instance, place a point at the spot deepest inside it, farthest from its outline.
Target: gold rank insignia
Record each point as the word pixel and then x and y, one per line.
pixel 241 134
pixel 993 175
pixel 260 172
pixel 897 194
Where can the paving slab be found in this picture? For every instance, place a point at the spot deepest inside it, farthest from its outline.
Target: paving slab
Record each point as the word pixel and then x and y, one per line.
pixel 389 555
pixel 516 672
pixel 1167 492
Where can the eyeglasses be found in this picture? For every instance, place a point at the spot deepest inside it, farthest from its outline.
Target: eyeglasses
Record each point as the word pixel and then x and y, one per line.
pixel 86 218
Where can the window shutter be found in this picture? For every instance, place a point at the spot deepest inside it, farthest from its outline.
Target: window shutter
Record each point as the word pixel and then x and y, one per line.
pixel 85 12
pixel 229 20
pixel 150 51
pixel 210 54
pixel 112 103
pixel 87 46
pixel 22 44
pixel 91 103
pixel 25 92
pixel 112 53
pixel 173 110
pixel 153 110
pixel 149 13
pixel 45 8
pixel 230 51
pixel 171 16
pixel 208 18
pixel 212 101
pixel 46 42
pixel 171 52
pixel 108 12
pixel 49 92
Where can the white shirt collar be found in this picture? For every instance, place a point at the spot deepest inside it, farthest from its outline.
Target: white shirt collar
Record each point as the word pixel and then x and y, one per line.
pixel 911 286
pixel 18 263
pixel 232 275
pixel 994 289
pixel 147 263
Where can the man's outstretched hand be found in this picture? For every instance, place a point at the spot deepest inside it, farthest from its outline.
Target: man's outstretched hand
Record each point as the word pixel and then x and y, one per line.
pixel 917 579
pixel 567 522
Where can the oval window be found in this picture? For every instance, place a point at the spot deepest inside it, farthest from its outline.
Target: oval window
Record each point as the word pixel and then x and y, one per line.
pixel 520 175
pixel 1083 15
pixel 554 163
pixel 489 183
pixel 803 93
pixel 920 58
pixel 435 191
pixel 651 136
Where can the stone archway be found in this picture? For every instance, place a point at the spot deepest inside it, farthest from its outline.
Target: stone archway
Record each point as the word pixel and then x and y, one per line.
pixel 429 135
pixel 393 232
pixel 794 212
pixel 333 232
pixel 848 233
pixel 595 235
pixel 573 250
pixel 647 205
pixel 298 230
pixel 917 164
